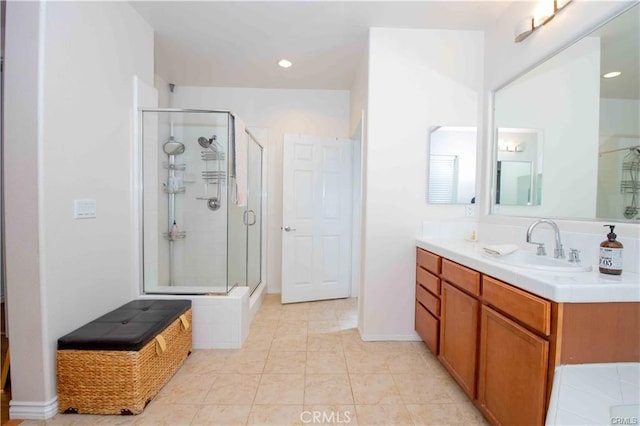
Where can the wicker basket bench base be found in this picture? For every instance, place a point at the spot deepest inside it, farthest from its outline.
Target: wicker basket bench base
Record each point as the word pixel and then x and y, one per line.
pixel 121 382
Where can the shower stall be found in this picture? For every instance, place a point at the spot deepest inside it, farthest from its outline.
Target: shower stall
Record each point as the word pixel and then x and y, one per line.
pixel 201 178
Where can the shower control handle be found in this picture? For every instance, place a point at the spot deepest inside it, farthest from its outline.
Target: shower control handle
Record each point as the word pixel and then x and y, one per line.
pixel 288 229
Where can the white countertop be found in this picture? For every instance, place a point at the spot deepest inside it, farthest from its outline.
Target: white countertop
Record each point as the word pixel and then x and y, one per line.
pixel 568 287
pixel 595 394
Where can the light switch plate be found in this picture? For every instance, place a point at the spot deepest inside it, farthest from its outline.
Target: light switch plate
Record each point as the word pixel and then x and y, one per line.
pixel 84 209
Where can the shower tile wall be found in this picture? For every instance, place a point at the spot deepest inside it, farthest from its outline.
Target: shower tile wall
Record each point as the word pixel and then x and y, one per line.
pixel 221 322
pixel 200 259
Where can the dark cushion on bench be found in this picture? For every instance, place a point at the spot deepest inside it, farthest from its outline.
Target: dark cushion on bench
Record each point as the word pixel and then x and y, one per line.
pixel 127 328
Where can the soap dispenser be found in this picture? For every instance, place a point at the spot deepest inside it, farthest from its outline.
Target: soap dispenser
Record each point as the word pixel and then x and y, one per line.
pixel 611 254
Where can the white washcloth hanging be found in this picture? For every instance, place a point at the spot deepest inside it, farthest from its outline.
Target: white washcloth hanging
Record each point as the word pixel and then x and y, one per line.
pixel 240 160
pixel 500 249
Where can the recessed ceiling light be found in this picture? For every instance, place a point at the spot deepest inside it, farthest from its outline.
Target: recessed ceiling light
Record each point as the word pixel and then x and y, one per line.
pixel 612 74
pixel 284 63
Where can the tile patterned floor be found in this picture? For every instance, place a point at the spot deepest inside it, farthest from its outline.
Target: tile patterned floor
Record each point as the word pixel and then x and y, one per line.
pixel 304 364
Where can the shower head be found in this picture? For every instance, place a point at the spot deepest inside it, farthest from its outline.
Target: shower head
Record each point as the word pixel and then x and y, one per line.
pixel 204 142
pixel 173 147
pixel 208 142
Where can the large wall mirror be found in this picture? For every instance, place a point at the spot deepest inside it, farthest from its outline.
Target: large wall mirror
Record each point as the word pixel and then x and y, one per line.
pixel 567 137
pixel 451 175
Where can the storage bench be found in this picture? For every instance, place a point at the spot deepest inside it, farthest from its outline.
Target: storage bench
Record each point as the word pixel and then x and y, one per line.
pixel 117 363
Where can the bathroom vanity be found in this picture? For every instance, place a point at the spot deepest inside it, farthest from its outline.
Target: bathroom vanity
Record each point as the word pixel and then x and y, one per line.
pixel 501 330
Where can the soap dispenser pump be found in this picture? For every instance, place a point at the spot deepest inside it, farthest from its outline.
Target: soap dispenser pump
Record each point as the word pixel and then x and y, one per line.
pixel 611 254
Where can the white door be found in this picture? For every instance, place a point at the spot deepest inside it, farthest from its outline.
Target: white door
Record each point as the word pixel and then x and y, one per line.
pixel 316 222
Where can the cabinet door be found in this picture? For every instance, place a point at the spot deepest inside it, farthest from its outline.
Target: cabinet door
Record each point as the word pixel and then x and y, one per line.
pixel 512 372
pixel 459 336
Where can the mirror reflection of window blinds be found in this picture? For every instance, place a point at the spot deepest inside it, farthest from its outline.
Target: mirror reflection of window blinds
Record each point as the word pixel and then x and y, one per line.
pixel 443 179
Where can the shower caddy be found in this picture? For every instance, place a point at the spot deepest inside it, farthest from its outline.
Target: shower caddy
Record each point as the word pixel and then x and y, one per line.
pixel 629 184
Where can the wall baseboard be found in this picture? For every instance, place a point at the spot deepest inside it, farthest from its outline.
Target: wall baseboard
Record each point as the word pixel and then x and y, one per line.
pixel 390 337
pixel 33 410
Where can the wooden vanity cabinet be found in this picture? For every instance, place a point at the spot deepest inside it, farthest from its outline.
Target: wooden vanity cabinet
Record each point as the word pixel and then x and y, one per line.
pixel 502 344
pixel 427 315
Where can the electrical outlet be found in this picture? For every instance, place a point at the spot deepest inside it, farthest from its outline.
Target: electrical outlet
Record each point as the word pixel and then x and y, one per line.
pixel 469 210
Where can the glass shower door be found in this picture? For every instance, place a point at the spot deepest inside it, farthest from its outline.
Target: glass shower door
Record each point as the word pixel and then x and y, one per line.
pixel 184 204
pixel 236 232
pixel 254 214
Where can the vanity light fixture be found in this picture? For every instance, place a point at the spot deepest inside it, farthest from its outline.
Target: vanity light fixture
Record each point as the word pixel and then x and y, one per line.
pixel 511 146
pixel 524 29
pixel 544 12
pixel 285 63
pixel 611 74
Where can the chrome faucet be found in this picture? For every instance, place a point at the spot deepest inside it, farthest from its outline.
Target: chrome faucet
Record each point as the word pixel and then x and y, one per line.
pixel 558 253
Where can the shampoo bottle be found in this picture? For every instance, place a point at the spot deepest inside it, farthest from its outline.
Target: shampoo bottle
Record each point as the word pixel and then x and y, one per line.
pixel 611 254
pixel 174 234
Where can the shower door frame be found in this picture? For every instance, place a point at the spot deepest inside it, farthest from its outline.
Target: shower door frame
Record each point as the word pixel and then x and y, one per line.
pixel 263 198
pixel 138 175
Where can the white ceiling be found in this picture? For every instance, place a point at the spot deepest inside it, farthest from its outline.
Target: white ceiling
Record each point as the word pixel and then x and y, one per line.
pixel 620 51
pixel 238 43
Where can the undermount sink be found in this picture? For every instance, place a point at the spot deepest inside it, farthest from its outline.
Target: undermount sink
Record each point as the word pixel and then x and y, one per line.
pixel 525 259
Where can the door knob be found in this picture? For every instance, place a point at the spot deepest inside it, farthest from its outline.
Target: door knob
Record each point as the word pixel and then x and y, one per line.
pixel 288 229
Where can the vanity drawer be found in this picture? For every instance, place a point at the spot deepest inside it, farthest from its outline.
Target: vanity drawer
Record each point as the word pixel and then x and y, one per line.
pixel 428 327
pixel 462 277
pixel 524 307
pixel 429 261
pixel 428 281
pixel 428 300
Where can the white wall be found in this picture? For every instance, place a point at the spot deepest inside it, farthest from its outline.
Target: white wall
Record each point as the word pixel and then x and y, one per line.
pixel 22 140
pixel 70 71
pixel 359 118
pixel 276 112
pixel 618 117
pixel 417 79
pixel 359 95
pixel 505 60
